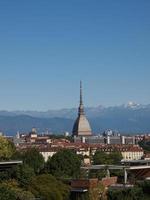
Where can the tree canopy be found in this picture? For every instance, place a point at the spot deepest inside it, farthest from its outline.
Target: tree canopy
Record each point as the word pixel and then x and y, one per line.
pixel 140 191
pixel 100 158
pixel 145 145
pixel 65 163
pixel 125 194
pixel 6 149
pixel 24 174
pixel 47 187
pixel 10 190
pixel 33 159
pixel 23 182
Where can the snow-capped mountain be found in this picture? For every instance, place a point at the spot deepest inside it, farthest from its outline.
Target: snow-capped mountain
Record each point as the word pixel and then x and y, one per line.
pixel 128 118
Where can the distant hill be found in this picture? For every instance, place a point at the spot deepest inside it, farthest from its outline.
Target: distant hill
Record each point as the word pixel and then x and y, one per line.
pixel 130 118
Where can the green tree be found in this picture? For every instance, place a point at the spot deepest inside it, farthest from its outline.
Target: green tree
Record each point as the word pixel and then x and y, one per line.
pixel 18 155
pixel 33 159
pixel 145 145
pixel 115 157
pixel 12 189
pixel 145 185
pixel 97 173
pixel 24 174
pixel 6 193
pixel 6 149
pixel 8 174
pixel 47 187
pixel 125 194
pixel 65 163
pixel 100 158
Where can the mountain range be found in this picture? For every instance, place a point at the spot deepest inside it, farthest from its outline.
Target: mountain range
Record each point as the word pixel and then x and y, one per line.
pixel 130 118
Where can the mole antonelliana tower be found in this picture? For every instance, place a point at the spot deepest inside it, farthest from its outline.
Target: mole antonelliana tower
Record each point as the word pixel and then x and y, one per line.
pixel 81 126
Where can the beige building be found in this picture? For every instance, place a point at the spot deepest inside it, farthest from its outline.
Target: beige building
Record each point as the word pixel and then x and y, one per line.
pixel 48 152
pixel 132 153
pixel 129 152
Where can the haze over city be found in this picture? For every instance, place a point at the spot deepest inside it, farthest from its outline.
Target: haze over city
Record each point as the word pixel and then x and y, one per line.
pixel 47 47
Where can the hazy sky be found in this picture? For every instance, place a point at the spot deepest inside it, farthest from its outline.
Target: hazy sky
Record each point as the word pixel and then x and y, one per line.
pixel 47 47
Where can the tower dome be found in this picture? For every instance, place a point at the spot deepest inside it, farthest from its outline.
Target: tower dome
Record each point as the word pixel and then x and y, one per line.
pixel 81 126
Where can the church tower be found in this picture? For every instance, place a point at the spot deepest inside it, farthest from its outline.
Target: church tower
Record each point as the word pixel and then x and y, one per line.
pixel 81 126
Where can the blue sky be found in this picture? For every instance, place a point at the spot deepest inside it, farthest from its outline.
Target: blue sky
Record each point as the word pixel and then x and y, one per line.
pixel 47 47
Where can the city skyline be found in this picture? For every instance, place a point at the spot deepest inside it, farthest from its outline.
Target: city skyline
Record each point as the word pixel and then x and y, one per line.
pixel 48 47
pixel 75 99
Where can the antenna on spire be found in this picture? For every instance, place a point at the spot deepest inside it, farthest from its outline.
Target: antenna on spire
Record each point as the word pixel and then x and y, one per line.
pixel 81 109
pixel 81 100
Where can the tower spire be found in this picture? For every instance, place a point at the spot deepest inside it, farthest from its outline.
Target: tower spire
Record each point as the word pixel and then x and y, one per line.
pixel 81 108
pixel 81 126
pixel 81 100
